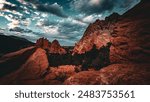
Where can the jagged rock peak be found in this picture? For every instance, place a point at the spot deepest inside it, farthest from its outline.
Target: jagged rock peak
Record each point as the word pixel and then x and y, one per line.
pixel 55 42
pixel 53 47
pixel 43 43
pixel 56 48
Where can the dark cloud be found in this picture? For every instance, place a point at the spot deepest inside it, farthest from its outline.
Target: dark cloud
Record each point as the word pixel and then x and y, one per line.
pixel 47 22
pixel 54 8
pixel 10 7
pixel 100 6
pixel 18 29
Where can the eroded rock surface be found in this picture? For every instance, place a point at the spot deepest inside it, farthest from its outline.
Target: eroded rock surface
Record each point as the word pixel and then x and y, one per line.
pixel 52 48
pixel 30 72
pixel 116 74
pixel 130 38
pixel 56 48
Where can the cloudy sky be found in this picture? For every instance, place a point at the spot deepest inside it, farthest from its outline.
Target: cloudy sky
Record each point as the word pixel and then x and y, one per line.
pixel 64 20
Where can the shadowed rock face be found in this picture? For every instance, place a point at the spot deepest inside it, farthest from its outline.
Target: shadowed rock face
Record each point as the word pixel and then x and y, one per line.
pixel 30 72
pixel 95 58
pixel 13 61
pixel 131 34
pixel 12 43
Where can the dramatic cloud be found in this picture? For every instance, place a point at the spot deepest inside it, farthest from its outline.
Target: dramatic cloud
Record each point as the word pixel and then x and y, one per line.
pixel 18 29
pixel 54 9
pixel 49 8
pixel 100 6
pixel 64 20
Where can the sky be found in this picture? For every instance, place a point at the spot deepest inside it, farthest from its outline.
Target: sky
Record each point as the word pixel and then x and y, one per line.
pixel 64 20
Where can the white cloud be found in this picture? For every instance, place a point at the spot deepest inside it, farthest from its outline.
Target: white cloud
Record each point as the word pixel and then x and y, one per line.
pixel 88 18
pixel 74 21
pixel 44 15
pixel 94 2
pixel 52 30
pixel 13 24
pixel 5 2
pixel 23 2
pixel 1 6
pixel 91 18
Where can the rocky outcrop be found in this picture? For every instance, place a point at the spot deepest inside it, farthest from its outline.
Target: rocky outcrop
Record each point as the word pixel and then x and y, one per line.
pixel 43 43
pixel 13 61
pixel 116 74
pixel 130 37
pixel 55 48
pixel 98 38
pixel 52 48
pixel 130 49
pixel 97 34
pixel 30 72
pixel 57 75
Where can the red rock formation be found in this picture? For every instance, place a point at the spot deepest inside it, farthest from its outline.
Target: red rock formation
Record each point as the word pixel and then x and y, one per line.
pixel 43 43
pixel 129 35
pixel 30 72
pixel 116 74
pixel 13 61
pixel 130 48
pixel 98 38
pixel 56 48
pixel 130 38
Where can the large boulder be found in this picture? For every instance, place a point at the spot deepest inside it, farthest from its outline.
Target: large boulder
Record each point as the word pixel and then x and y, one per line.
pixel 30 72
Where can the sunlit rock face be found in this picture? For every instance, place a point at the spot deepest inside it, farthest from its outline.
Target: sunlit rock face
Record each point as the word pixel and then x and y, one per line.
pixel 43 43
pixel 95 35
pixel 53 48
